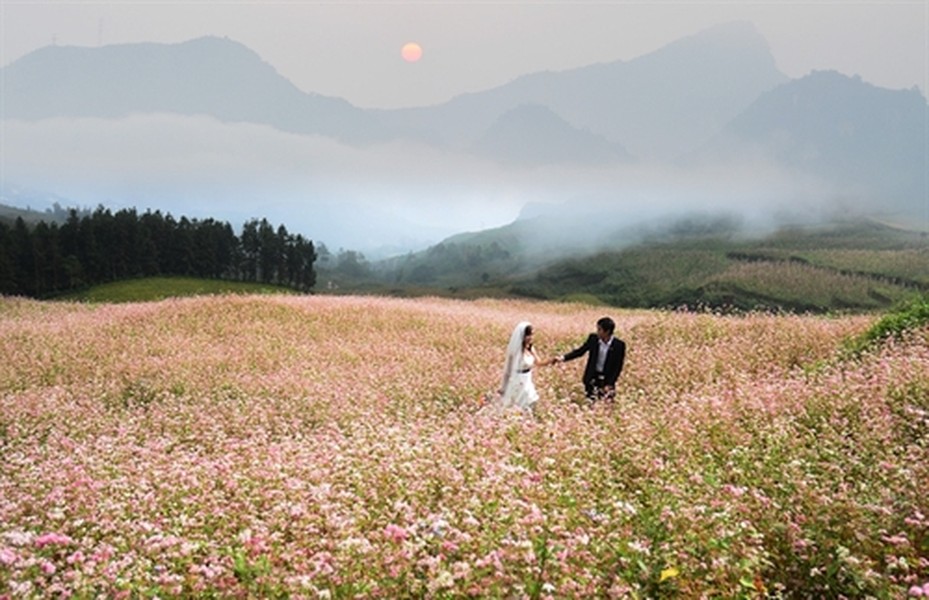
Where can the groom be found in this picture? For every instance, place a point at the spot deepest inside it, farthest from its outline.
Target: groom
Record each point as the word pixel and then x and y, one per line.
pixel 605 357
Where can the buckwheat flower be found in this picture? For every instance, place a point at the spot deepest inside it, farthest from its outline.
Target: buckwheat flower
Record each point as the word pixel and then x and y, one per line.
pixel 534 517
pixel 304 582
pixel 896 540
pixel 19 538
pixel 640 546
pixel 21 589
pixel 917 520
pixel 916 592
pixel 626 507
pixel 395 533
pixel 593 515
pixel 52 539
pixel 461 570
pixel 7 557
pixel 438 527
pixel 471 521
pixel 734 490
pixel 443 581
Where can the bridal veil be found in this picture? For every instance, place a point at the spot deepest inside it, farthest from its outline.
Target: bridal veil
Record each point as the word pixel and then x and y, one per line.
pixel 513 363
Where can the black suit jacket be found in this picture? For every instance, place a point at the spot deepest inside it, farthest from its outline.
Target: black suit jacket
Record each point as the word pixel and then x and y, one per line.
pixel 615 358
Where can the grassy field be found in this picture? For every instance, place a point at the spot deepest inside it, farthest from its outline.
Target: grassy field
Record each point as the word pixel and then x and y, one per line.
pixel 335 447
pixel 159 288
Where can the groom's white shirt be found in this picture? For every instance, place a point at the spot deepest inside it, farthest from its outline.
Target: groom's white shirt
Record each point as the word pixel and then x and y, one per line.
pixel 601 354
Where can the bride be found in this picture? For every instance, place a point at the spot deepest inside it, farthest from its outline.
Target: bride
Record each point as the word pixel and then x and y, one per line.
pixel 517 389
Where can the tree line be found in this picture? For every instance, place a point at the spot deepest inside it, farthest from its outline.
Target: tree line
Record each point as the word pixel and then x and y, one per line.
pixel 99 247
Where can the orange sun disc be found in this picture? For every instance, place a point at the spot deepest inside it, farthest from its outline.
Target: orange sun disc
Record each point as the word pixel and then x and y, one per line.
pixel 411 52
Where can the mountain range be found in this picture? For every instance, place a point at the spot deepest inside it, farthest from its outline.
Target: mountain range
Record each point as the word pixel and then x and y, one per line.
pixel 710 100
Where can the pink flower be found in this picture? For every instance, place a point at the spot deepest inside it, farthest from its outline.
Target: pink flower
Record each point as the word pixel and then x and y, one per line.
pixel 896 540
pixel 7 557
pixel 395 533
pixel 534 517
pixel 51 539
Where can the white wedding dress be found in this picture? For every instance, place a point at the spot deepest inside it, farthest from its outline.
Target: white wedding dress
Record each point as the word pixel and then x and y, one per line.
pixel 518 390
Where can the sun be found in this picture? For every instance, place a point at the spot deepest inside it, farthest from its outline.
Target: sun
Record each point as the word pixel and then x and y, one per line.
pixel 411 52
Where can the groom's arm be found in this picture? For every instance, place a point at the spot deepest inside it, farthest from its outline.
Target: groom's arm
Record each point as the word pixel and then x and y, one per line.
pixel 579 351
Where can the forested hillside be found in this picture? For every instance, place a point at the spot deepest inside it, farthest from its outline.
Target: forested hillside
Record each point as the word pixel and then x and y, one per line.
pixel 47 258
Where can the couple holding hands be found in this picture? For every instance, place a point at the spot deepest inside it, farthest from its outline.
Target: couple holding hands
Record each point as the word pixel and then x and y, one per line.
pixel 605 357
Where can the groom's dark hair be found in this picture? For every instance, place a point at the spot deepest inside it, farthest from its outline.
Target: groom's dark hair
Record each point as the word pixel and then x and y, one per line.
pixel 607 325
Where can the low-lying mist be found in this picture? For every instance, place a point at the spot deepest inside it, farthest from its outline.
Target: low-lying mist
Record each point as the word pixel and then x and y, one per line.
pixel 388 198
pixel 646 201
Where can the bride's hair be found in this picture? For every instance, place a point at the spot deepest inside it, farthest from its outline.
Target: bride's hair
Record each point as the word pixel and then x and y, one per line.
pixel 526 333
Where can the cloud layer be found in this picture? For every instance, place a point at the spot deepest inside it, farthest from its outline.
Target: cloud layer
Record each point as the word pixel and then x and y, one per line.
pixel 397 196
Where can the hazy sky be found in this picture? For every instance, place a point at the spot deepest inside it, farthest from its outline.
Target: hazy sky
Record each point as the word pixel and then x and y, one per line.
pixel 351 49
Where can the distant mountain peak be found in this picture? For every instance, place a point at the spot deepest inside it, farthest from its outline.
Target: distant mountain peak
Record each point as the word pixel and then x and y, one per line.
pixel 860 137
pixel 533 134
pixel 209 76
pixel 131 52
pixel 740 40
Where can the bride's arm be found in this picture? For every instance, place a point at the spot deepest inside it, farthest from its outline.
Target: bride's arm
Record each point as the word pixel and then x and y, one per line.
pixel 543 363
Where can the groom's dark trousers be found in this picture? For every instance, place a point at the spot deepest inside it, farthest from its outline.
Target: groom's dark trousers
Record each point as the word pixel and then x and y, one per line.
pixel 596 381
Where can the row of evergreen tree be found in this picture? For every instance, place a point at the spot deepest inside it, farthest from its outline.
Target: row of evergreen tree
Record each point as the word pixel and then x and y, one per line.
pixel 101 246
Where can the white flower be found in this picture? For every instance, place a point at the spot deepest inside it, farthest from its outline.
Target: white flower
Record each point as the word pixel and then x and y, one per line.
pixel 625 507
pixel 443 581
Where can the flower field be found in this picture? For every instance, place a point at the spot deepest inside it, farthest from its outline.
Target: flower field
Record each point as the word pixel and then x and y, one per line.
pixel 336 447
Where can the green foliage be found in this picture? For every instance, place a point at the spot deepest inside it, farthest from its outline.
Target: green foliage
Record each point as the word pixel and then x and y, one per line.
pixel 907 317
pixel 252 573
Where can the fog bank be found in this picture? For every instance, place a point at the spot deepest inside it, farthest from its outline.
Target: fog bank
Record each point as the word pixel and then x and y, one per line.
pixel 382 198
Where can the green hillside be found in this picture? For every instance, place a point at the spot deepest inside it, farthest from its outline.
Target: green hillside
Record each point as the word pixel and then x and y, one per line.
pixel 858 265
pixel 853 266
